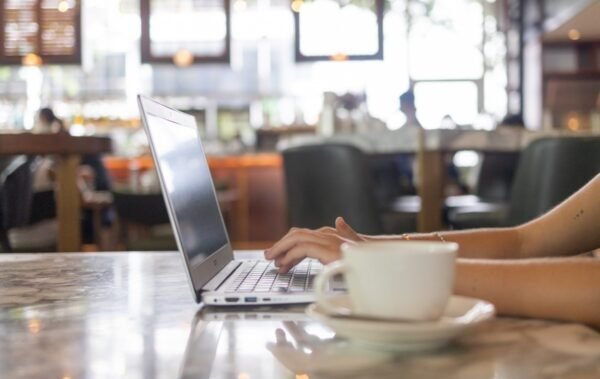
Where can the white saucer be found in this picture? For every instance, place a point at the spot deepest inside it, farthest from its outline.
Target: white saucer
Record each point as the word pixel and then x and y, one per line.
pixel 461 315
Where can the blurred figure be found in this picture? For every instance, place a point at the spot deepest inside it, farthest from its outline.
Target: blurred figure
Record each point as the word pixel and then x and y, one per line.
pixel 92 175
pixel 407 168
pixel 405 164
pixel 448 122
pixel 408 107
pixel 513 121
pixel 49 123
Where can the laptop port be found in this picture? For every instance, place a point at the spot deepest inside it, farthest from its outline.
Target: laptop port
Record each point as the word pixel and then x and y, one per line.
pixel 232 299
pixel 250 299
pixel 266 299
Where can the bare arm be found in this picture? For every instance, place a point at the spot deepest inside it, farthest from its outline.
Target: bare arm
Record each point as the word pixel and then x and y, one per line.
pixel 487 243
pixel 572 227
pixel 555 288
pixel 551 288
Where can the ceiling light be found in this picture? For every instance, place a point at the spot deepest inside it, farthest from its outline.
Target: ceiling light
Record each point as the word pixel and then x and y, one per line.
pixel 63 6
pixel 183 58
pixel 297 5
pixel 573 122
pixel 340 57
pixel 239 5
pixel 574 35
pixel 32 59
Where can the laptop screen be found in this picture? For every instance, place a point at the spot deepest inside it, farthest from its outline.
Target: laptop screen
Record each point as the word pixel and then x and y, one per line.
pixel 188 182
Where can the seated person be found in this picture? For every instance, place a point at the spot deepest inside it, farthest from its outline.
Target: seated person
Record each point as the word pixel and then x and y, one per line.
pixel 41 231
pixel 47 122
pixel 539 269
pixel 92 175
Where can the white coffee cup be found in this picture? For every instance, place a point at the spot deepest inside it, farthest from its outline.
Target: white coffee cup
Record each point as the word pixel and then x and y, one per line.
pixel 406 280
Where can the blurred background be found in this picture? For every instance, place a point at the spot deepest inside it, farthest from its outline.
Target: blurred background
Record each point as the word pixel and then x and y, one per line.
pixel 394 79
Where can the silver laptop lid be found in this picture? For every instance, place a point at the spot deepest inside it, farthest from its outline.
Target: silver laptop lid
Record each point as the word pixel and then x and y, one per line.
pixel 188 191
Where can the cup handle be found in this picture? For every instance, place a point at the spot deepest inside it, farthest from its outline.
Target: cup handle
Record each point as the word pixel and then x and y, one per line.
pixel 334 268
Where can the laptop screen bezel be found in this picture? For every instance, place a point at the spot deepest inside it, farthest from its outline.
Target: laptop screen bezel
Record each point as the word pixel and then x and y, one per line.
pixel 198 273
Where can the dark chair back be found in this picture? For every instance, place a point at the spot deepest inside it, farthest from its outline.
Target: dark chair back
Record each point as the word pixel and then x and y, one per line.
pixel 329 180
pixel 496 175
pixel 138 214
pixel 16 181
pixel 549 171
pixel 146 209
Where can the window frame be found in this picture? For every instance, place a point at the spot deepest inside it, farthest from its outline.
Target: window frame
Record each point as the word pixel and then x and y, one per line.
pixel 146 42
pixel 299 57
pixel 72 59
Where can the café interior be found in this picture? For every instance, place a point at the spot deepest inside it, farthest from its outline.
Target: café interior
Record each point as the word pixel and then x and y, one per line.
pixel 402 116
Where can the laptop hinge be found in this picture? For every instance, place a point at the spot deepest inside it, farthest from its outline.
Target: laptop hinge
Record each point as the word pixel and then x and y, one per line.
pixel 221 276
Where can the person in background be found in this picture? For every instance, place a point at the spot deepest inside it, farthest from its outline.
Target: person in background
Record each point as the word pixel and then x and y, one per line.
pixel 40 234
pixel 404 163
pixel 448 122
pixel 49 123
pixel 513 121
pixel 544 268
pixel 92 175
pixel 409 108
pixel 406 167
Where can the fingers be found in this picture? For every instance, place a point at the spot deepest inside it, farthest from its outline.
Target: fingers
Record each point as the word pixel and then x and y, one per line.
pixel 324 253
pixel 345 230
pixel 294 237
pixel 297 244
pixel 280 336
pixel 327 230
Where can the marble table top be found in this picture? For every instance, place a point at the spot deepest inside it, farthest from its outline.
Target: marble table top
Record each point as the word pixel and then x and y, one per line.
pixel 131 315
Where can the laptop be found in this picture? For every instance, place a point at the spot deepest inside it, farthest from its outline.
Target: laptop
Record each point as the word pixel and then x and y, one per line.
pixel 215 276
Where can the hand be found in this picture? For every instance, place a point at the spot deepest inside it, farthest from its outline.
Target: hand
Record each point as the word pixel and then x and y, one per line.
pixel 322 244
pixel 345 231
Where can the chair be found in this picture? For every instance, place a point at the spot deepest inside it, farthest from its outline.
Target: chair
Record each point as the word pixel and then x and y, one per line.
pixel 15 195
pixel 492 190
pixel 27 215
pixel 549 171
pixel 144 221
pixel 496 176
pixel 329 180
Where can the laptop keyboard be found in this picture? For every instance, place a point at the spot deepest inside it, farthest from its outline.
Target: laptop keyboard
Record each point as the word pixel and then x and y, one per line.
pixel 261 276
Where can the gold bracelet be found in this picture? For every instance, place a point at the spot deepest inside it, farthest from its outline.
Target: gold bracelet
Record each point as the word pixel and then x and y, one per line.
pixel 439 236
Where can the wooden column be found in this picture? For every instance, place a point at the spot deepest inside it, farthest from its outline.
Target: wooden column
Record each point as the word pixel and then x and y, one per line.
pixel 68 204
pixel 431 169
pixel 430 186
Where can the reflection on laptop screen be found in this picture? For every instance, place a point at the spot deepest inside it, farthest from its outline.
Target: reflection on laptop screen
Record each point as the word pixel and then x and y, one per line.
pixel 187 179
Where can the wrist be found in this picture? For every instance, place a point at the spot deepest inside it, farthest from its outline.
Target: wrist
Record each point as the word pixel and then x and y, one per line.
pixel 434 236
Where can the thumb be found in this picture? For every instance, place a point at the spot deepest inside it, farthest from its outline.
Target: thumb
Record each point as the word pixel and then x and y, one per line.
pixel 345 230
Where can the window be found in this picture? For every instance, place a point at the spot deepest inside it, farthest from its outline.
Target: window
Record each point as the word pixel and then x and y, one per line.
pixel 33 32
pixel 457 62
pixel 335 30
pixel 439 100
pixel 185 32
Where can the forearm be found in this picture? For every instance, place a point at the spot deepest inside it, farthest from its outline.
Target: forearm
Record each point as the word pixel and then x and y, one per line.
pixel 496 243
pixel 570 228
pixel 559 288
